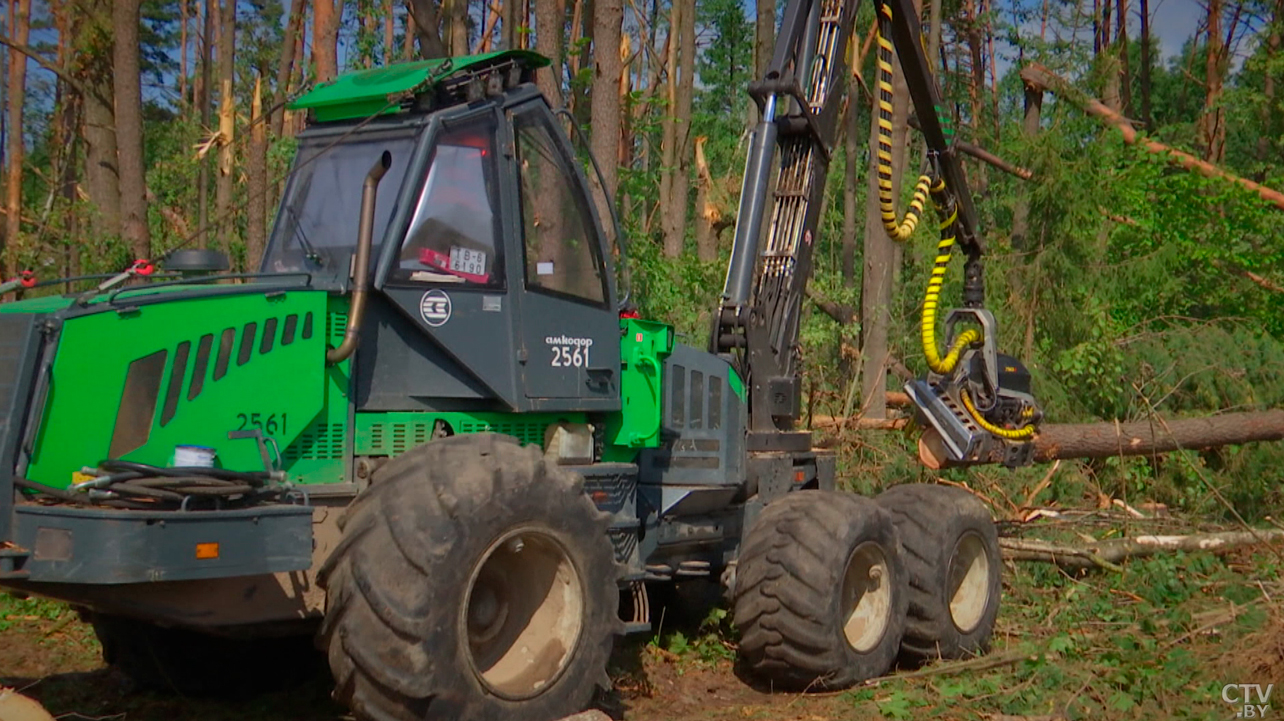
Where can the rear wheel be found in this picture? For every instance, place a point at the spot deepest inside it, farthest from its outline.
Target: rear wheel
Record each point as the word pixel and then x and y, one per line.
pixel 955 570
pixel 820 591
pixel 474 581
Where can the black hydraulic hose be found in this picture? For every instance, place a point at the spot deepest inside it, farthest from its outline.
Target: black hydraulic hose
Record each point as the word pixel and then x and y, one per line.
pixel 59 493
pixel 144 470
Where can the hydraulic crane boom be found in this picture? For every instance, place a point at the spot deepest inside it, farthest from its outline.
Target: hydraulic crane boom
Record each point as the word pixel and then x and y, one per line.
pixel 965 399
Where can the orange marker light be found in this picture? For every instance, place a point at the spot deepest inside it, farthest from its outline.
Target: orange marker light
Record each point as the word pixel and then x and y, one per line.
pixel 798 476
pixel 206 551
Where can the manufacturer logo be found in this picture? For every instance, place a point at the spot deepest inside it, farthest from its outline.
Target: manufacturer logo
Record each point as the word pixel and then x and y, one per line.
pixel 435 308
pixel 1250 700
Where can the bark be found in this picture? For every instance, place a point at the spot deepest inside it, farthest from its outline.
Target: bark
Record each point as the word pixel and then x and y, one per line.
pixel 457 21
pixel 325 38
pixel 976 88
pixel 1273 43
pixel 1043 78
pixel 101 180
pixel 605 108
pixel 852 143
pixel 1139 438
pixel 206 103
pixel 707 213
pixel 184 19
pixel 1125 77
pixel 1108 554
pixel 1030 127
pixel 675 219
pixel 764 36
pixel 574 50
pixel 550 21
pixel 669 130
pixel 881 253
pixel 285 66
pixel 934 34
pixel 389 32
pixel 408 35
pixel 256 183
pixel 1145 64
pixel 427 22
pixel 1212 123
pixel 227 123
pixel 129 128
pixel 508 24
pixel 19 31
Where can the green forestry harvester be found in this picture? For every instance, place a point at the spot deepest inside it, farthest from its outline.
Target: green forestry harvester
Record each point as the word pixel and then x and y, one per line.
pixel 430 434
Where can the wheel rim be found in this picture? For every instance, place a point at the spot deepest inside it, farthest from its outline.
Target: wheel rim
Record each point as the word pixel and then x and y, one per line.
pixel 523 614
pixel 867 597
pixel 969 582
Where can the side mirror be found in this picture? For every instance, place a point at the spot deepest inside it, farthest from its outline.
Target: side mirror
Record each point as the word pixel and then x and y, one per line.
pixel 197 261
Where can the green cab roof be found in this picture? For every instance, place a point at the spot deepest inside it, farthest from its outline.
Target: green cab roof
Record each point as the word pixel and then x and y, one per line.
pixel 378 91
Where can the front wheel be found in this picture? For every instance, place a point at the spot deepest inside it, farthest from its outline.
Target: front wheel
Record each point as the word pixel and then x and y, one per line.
pixel 820 593
pixel 474 581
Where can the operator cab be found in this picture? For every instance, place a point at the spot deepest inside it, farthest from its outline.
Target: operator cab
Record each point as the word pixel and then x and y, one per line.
pixel 493 279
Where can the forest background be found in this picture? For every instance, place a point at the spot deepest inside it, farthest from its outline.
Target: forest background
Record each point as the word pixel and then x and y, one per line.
pixel 1132 287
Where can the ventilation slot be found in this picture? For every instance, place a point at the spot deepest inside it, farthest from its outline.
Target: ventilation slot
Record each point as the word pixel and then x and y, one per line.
pixel 137 404
pixel 697 399
pixel 201 366
pixel 247 343
pixel 320 442
pixel 224 352
pixel 176 374
pixel 287 332
pixel 269 336
pixel 678 397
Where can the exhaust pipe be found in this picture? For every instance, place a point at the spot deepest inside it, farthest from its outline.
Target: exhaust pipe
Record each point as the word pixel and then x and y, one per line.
pixel 361 268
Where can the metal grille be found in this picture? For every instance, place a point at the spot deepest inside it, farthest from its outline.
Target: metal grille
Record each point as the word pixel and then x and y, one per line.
pixel 320 442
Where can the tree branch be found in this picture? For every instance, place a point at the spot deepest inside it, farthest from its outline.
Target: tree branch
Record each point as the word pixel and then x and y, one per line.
pixel 63 75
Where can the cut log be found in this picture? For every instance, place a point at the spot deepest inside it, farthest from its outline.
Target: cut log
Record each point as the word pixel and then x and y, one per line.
pixel 1140 438
pixel 16 707
pixel 1108 554
pixel 1042 78
pixel 1102 440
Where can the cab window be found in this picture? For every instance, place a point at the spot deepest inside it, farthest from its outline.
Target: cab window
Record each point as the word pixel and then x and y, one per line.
pixel 454 235
pixel 562 254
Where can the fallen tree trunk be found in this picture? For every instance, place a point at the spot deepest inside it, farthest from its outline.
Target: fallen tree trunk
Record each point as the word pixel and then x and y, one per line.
pixel 1042 78
pixel 1141 438
pixel 1108 554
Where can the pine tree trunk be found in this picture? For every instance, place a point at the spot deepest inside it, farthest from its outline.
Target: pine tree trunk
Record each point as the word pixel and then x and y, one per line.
pixel 934 36
pixel 605 109
pixel 707 214
pixel 1268 116
pixel 764 37
pixel 205 99
pixel 851 174
pixel 424 13
pixel 285 66
pixel 19 31
pixel 183 8
pixel 458 23
pixel 325 37
pixel 256 183
pixel 680 185
pixel 508 24
pixel 129 128
pixel 669 131
pixel 1212 127
pixel 550 22
pixel 1145 63
pixel 227 123
pixel 389 32
pixel 1121 39
pixel 1030 128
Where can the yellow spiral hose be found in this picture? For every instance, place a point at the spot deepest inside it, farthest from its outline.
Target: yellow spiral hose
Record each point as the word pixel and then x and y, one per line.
pixel 898 230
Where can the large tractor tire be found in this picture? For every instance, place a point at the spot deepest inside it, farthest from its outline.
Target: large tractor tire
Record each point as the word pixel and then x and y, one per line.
pixel 474 581
pixel 190 663
pixel 952 555
pixel 820 592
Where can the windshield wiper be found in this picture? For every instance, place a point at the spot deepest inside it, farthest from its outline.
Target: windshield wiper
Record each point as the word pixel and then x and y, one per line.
pixel 309 251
